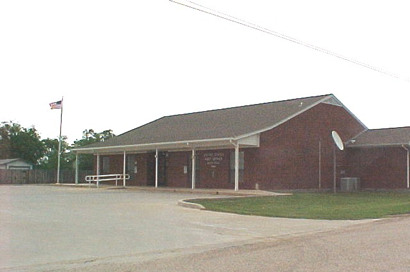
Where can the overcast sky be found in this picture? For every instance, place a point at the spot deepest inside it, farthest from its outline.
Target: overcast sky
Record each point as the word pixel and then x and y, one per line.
pixel 121 64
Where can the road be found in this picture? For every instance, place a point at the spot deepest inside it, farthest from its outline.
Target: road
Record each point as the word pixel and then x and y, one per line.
pixel 378 246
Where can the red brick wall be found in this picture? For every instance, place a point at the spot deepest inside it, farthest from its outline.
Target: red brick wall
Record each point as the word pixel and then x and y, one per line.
pixel 175 169
pixel 288 156
pixel 379 168
pixel 116 167
pixel 141 177
pixel 214 169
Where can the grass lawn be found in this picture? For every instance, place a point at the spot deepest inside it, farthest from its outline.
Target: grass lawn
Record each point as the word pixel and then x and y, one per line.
pixel 340 206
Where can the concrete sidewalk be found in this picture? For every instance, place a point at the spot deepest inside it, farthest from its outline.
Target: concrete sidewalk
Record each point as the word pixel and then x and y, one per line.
pixel 226 192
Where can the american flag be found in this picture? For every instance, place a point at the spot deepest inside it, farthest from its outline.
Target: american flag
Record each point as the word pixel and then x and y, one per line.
pixel 56 105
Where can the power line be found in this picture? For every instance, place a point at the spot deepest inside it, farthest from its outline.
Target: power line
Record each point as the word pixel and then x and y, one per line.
pixel 239 21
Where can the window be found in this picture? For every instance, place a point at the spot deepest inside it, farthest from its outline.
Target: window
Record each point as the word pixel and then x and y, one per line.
pixel 241 166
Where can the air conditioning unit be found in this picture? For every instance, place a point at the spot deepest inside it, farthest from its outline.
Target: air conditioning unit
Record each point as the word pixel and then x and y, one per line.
pixel 350 184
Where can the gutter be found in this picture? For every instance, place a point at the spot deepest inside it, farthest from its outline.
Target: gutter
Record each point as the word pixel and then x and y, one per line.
pixel 352 145
pixel 150 145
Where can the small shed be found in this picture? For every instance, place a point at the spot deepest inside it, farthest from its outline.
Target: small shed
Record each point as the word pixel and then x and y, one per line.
pixel 15 164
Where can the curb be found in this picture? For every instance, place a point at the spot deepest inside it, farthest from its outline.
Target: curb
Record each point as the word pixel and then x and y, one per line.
pixel 185 204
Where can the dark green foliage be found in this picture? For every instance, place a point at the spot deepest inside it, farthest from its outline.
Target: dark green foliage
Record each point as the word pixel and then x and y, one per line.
pixel 19 142
pixel 86 161
pixel 25 143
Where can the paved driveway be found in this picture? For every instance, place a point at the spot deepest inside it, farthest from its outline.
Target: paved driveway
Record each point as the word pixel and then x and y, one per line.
pixel 47 227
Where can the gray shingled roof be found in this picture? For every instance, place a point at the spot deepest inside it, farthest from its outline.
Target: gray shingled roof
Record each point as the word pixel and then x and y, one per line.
pixel 7 161
pixel 382 137
pixel 229 123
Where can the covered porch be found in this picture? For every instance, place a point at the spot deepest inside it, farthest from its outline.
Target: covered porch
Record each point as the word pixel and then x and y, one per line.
pixel 185 164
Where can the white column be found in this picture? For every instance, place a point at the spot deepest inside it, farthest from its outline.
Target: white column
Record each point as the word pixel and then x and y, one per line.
pixel 76 168
pixel 98 169
pixel 124 168
pixel 320 165
pixel 408 165
pixel 237 167
pixel 334 170
pixel 156 168
pixel 408 168
pixel 193 169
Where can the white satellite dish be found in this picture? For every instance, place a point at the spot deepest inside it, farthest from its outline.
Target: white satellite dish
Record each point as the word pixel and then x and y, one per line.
pixel 338 141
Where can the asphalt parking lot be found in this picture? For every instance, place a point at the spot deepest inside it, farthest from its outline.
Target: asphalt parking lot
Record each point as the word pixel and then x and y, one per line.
pixel 48 227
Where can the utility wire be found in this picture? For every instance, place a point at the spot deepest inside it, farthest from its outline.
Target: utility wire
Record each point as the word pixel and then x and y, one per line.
pixel 230 18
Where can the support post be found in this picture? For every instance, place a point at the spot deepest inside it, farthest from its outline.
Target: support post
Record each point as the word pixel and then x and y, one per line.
pixel 320 165
pixel 98 170
pixel 193 169
pixel 408 165
pixel 76 168
pixel 237 167
pixel 334 169
pixel 156 168
pixel 408 168
pixel 124 168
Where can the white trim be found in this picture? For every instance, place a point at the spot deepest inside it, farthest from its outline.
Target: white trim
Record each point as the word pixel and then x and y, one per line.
pixel 124 168
pixel 374 145
pixel 185 143
pixel 331 96
pixel 283 120
pixel 408 165
pixel 237 167
pixel 156 168
pixel 193 169
pixel 253 140
pixel 98 168
pixel 354 116
pixel 217 142
pixel 76 168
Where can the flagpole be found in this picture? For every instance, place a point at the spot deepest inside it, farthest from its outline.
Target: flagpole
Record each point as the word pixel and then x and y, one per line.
pixel 59 141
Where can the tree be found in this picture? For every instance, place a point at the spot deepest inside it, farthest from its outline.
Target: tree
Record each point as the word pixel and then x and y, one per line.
pixel 19 142
pixel 86 161
pixel 5 145
pixel 25 143
pixel 50 158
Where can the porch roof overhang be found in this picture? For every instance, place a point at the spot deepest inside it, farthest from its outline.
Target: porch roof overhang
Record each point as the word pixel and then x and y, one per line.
pixel 399 144
pixel 183 145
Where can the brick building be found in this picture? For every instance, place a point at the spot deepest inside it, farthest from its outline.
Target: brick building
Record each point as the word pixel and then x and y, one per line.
pixel 271 146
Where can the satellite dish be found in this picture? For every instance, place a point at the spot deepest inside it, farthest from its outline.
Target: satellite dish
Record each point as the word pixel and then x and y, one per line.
pixel 338 141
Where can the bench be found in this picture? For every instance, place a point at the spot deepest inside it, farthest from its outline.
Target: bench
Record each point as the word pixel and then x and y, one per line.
pixel 109 177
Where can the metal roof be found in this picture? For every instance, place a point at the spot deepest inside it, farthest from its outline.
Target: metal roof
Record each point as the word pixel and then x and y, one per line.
pixel 382 137
pixel 212 126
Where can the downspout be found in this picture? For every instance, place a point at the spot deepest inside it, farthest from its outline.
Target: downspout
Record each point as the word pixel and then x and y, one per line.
pixel 408 165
